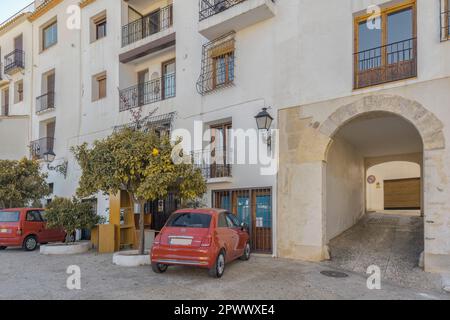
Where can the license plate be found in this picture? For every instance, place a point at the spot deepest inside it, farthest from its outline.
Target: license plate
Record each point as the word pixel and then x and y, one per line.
pixel 4 231
pixel 181 241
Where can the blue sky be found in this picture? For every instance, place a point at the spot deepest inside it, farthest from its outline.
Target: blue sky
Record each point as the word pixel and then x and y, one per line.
pixel 10 7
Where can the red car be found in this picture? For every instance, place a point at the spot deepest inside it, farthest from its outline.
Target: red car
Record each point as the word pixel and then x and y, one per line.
pixel 206 238
pixel 26 228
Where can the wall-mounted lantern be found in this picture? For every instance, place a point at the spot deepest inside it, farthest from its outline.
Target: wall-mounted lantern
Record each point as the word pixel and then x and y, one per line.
pixel 264 122
pixel 49 157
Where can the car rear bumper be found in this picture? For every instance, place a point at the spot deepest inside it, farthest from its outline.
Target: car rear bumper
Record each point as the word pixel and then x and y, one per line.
pixel 11 242
pixel 187 257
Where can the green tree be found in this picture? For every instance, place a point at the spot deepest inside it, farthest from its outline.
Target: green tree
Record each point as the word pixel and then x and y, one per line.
pixel 71 215
pixel 21 183
pixel 139 162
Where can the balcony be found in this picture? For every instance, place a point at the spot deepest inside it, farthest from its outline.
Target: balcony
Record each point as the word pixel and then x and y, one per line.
pixel 147 35
pixel 213 166
pixel 392 62
pixel 46 102
pixel 217 17
pixel 147 93
pixel 14 62
pixel 39 147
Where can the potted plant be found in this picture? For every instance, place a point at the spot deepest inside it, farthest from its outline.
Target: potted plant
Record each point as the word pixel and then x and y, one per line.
pixel 69 215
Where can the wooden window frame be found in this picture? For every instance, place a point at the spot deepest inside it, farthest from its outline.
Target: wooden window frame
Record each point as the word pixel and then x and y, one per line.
pixel 386 10
pixel 98 23
pixel 163 74
pixel 46 27
pixel 216 58
pixel 100 79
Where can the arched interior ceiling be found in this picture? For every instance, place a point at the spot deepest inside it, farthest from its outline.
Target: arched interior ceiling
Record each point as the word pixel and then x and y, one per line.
pixel 381 134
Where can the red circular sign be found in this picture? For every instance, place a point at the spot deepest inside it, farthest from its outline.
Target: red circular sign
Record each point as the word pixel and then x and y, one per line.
pixel 371 179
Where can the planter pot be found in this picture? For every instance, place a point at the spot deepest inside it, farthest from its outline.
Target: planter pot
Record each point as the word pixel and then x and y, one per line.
pixel 65 249
pixel 131 259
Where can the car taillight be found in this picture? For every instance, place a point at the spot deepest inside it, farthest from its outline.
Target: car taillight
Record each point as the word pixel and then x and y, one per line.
pixel 157 240
pixel 19 232
pixel 206 242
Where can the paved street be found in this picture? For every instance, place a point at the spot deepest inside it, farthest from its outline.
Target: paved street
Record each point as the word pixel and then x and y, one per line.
pixel 392 241
pixel 33 276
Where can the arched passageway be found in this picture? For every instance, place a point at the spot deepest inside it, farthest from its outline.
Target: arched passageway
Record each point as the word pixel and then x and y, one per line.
pixel 323 163
pixel 374 195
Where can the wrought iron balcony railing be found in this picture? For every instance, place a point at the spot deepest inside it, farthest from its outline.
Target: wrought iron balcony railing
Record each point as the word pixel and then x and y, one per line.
pixel 147 25
pixel 209 8
pixel 148 92
pixel 213 164
pixel 14 60
pixel 392 62
pixel 45 102
pixel 39 147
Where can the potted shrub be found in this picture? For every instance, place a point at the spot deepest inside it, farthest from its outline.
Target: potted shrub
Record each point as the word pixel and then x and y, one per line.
pixel 70 215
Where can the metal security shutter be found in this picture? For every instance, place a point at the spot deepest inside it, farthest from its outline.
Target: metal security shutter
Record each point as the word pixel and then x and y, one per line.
pixel 402 194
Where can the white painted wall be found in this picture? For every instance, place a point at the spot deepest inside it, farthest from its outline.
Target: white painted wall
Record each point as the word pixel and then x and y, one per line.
pixel 344 188
pixel 387 171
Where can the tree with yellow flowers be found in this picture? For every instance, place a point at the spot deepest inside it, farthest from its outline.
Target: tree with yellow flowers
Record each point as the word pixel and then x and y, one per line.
pixel 140 163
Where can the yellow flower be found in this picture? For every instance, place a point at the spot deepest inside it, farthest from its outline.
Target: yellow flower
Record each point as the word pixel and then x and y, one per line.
pixel 155 152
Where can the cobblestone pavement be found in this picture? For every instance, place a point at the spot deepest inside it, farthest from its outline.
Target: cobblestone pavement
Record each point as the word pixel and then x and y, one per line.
pixel 393 242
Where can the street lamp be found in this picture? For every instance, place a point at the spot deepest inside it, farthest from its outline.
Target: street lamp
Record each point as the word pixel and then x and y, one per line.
pixel 264 122
pixel 49 157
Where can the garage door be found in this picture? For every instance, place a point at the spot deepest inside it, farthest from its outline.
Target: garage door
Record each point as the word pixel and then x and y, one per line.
pixel 402 194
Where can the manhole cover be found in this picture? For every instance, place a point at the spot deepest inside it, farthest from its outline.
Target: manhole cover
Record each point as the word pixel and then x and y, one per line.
pixel 334 274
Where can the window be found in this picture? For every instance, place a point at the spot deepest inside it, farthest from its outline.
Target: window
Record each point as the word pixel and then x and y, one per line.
pixel 101 29
pixel 220 151
pixel 218 64
pixel 7 216
pixel 99 86
pixel 18 91
pixel 222 223
pixel 190 220
pixel 98 27
pixel 445 20
pixel 5 102
pixel 223 69
pixel 233 221
pixel 386 47
pixel 34 216
pixel 49 35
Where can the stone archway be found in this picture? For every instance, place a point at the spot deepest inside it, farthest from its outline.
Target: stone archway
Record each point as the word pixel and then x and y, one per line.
pixel 427 124
pixel 304 144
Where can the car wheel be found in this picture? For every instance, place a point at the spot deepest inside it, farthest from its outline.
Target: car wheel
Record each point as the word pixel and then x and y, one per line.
pixel 30 243
pixel 218 269
pixel 3 248
pixel 247 252
pixel 159 267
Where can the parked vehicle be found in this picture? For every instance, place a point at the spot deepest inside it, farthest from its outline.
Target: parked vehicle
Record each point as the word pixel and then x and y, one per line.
pixel 205 238
pixel 26 227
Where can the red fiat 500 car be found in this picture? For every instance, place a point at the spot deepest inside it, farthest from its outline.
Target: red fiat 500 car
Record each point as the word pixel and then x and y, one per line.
pixel 26 228
pixel 206 238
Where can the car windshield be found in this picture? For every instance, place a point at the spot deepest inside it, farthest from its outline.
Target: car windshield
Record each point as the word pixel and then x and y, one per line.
pixel 190 220
pixel 9 216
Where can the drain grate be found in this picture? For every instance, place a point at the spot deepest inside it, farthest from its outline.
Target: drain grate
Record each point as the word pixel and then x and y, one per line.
pixel 334 274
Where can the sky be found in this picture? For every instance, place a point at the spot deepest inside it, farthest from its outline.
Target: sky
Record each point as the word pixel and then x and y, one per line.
pixel 10 7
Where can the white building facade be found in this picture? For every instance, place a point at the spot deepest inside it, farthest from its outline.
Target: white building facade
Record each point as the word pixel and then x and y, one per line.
pixel 209 67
